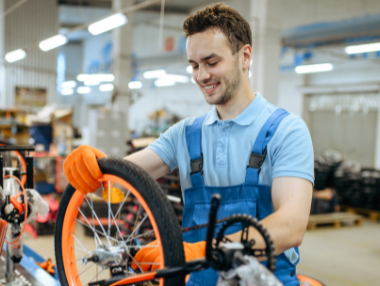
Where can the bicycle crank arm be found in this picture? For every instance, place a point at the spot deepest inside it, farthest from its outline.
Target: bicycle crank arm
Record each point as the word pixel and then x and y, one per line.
pixel 187 268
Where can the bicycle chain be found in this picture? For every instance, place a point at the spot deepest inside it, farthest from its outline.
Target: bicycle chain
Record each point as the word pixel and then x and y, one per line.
pixel 150 234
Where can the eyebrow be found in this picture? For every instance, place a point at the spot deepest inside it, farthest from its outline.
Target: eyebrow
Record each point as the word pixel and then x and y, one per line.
pixel 213 55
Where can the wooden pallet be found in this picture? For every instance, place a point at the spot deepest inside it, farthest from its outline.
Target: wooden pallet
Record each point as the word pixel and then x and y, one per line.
pixel 371 214
pixel 334 219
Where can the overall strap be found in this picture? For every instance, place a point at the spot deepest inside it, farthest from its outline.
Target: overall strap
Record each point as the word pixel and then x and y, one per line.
pixel 260 147
pixel 194 145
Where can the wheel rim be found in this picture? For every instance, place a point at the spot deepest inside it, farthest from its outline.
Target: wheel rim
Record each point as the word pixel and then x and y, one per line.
pixel 70 255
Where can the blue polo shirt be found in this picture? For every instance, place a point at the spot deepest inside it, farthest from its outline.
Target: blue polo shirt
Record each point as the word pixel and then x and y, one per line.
pixel 227 145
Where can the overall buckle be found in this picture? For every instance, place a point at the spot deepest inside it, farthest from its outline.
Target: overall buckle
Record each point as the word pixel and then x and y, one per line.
pixel 256 160
pixel 196 165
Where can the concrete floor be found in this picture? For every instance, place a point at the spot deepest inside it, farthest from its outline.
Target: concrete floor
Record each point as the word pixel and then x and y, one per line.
pixel 348 256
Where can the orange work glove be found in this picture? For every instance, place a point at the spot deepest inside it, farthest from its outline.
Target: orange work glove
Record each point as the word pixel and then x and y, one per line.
pixel 151 254
pixel 82 170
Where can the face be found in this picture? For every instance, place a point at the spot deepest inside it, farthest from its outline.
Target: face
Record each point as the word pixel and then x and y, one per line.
pixel 215 69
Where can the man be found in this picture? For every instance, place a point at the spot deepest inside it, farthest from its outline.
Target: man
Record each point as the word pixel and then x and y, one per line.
pixel 258 157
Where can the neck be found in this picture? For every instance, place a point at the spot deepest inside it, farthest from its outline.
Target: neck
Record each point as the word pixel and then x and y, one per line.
pixel 238 102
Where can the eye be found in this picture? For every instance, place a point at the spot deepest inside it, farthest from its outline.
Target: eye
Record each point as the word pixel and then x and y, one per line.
pixel 213 64
pixel 195 67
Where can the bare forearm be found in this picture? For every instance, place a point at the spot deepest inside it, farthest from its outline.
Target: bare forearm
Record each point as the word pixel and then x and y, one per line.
pixel 150 162
pixel 291 200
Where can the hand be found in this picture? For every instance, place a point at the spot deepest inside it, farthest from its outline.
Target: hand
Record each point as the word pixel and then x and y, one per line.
pixel 82 170
pixel 151 254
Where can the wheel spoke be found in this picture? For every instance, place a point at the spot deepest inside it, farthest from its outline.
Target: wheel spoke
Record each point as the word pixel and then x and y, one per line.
pixel 138 265
pixel 80 243
pixel 89 225
pixel 130 238
pixel 99 232
pixel 109 208
pixel 93 221
pixel 92 264
pixel 77 248
pixel 108 239
pixel 122 204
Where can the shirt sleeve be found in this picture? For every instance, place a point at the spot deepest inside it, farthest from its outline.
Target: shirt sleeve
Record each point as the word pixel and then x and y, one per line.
pixel 292 150
pixel 166 145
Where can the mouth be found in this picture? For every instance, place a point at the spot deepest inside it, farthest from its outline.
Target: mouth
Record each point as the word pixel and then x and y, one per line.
pixel 210 88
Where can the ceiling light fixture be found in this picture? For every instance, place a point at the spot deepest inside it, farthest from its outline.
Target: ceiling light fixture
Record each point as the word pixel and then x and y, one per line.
pixel 365 48
pixel 103 77
pixel 67 91
pixel 135 85
pixel 177 78
pixel 164 82
pixel 314 68
pixel 154 74
pixel 15 56
pixel 189 69
pixel 107 24
pixel 106 87
pixel 83 90
pixel 69 84
pixel 53 42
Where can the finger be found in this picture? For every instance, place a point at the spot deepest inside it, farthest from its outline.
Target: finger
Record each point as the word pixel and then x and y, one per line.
pixel 156 264
pixel 89 159
pixel 74 183
pixel 86 175
pixel 98 153
pixel 150 257
pixel 141 253
pixel 80 181
pixel 146 259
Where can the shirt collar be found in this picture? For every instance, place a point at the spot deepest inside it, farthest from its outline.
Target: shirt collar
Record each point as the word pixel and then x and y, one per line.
pixel 246 117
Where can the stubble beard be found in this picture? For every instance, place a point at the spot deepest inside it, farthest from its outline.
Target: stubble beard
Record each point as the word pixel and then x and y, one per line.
pixel 232 82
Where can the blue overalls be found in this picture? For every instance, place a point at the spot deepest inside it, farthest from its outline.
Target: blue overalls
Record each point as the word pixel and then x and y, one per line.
pixel 248 198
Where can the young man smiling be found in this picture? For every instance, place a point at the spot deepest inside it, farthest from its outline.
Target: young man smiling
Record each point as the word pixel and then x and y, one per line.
pixel 258 157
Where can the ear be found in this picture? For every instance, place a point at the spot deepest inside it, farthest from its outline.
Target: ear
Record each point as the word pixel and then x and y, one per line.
pixel 247 56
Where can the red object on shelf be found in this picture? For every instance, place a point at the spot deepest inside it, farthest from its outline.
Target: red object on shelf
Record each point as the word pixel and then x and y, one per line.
pixel 60 178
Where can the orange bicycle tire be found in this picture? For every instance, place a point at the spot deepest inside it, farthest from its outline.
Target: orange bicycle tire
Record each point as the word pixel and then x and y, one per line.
pixel 70 270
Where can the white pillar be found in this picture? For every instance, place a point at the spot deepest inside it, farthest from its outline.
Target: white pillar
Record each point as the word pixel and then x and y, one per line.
pixel 377 146
pixel 2 60
pixel 265 21
pixel 122 63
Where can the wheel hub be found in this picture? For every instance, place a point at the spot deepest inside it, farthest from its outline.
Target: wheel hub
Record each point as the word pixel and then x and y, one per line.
pixel 108 256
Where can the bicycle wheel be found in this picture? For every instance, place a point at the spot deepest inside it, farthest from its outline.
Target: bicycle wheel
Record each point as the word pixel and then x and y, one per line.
pixel 116 230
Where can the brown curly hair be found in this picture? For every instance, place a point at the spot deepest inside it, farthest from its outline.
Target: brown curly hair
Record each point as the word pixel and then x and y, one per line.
pixel 223 18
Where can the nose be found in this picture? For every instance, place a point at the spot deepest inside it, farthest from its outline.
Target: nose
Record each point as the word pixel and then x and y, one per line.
pixel 203 75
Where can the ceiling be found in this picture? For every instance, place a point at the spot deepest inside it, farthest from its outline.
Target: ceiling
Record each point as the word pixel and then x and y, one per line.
pixel 171 6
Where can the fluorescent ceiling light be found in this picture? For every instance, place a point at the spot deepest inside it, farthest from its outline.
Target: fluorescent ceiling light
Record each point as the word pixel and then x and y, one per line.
pixel 84 89
pixel 164 82
pixel 249 74
pixel 91 81
pixel 177 78
pixel 192 80
pixel 53 42
pixel 106 87
pixel 67 91
pixel 15 56
pixel 103 77
pixel 135 84
pixel 83 77
pixel 189 69
pixel 365 48
pixel 107 24
pixel 69 84
pixel 154 74
pixel 314 68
